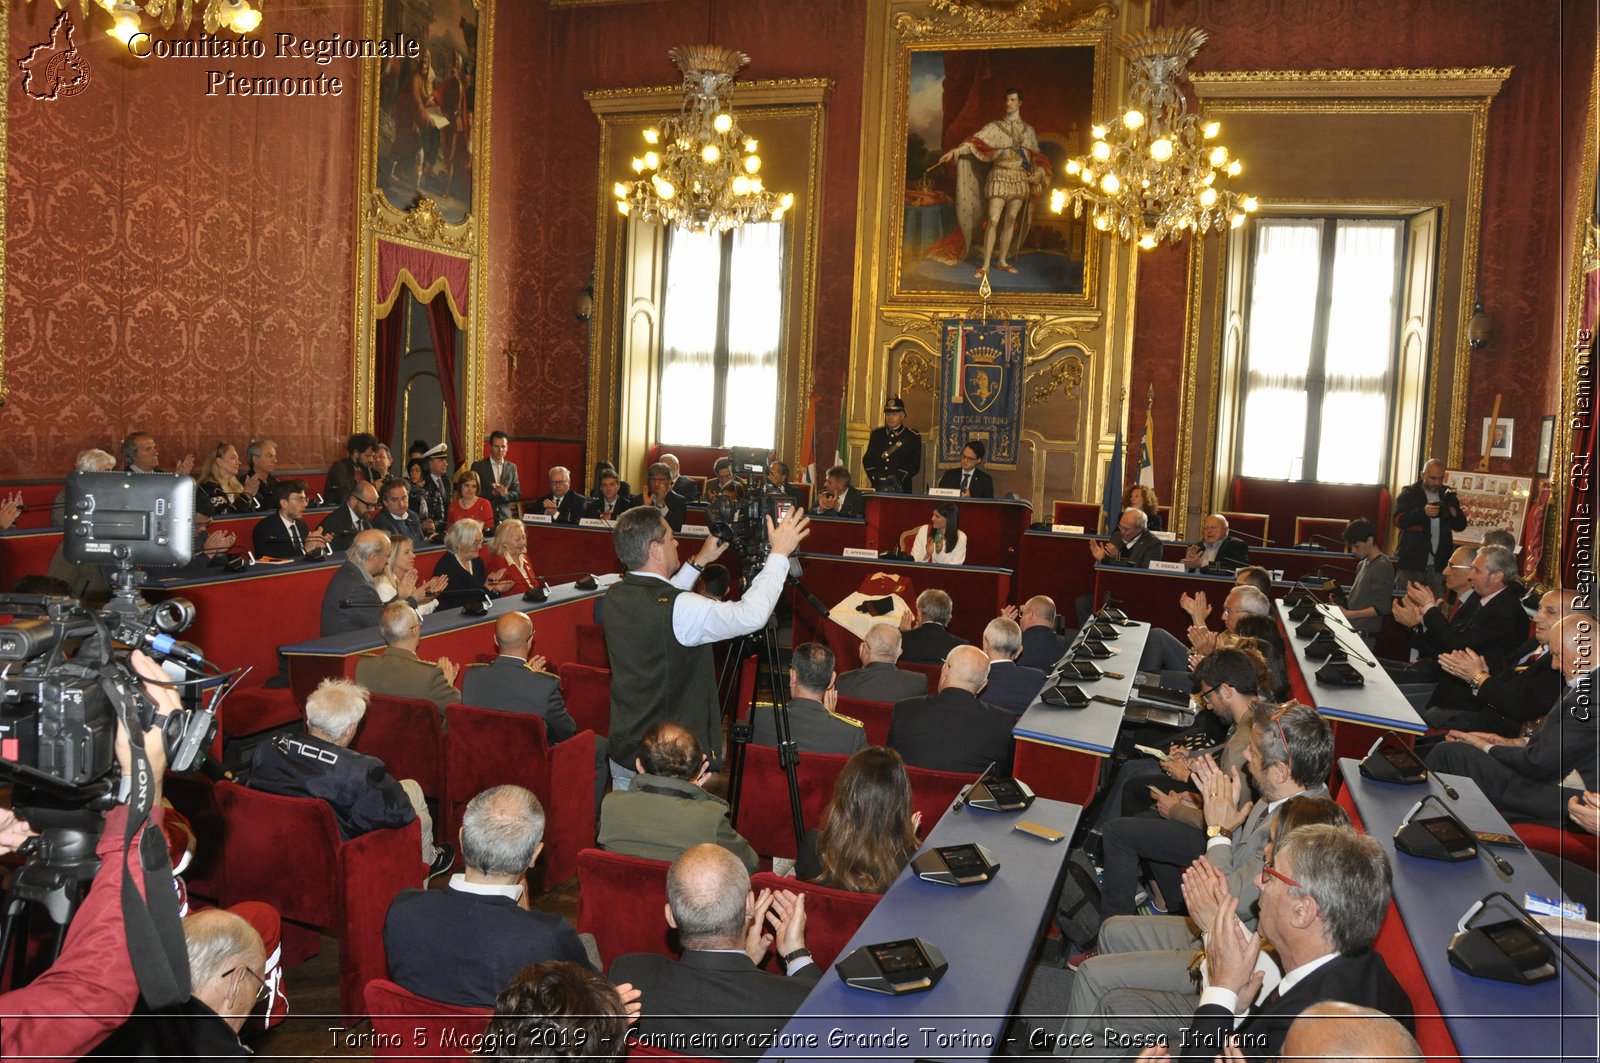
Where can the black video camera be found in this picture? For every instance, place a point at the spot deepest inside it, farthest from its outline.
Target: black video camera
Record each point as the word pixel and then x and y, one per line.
pixel 741 522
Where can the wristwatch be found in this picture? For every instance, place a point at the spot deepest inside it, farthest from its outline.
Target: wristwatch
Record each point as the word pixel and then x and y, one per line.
pixel 790 957
pixel 1215 831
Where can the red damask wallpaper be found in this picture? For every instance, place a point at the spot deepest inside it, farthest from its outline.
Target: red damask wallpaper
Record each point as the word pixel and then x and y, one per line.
pixel 178 262
pixel 546 140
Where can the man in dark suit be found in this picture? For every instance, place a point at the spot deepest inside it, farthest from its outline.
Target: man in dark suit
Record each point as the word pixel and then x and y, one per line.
pixel 1491 622
pixel 461 944
pixel 354 516
pixel 1132 544
pixel 396 517
pixel 1041 646
pixel 1216 548
pixel 1503 700
pixel 813 724
pixel 715 989
pixel 562 505
pixel 952 730
pixel 515 681
pixel 658 494
pixel 363 795
pixel 681 485
pixel 1011 686
pixel 878 679
pixel 399 672
pixel 285 537
pixel 778 479
pixel 930 641
pixel 1525 777
pixel 838 498
pixel 970 479
pixel 351 602
pixel 610 503
pixel 1426 512
pixel 353 468
pixel 497 477
pixel 1323 897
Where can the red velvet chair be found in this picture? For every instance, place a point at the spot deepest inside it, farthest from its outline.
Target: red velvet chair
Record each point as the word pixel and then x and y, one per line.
pixel 404 733
pixel 490 748
pixel 932 792
pixel 622 902
pixel 832 916
pixel 1574 845
pixel 287 852
pixel 1397 950
pixel 413 1027
pixel 844 643
pixel 592 648
pixel 1084 514
pixel 764 818
pixel 586 691
pixel 929 669
pixel 253 710
pixel 875 716
pixel 1254 526
pixel 1325 527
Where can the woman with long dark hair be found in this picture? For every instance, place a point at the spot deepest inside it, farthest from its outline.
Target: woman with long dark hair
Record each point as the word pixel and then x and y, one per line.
pixel 869 832
pixel 941 541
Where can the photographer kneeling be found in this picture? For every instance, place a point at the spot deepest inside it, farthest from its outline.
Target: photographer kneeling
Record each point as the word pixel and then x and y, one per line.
pixel 91 988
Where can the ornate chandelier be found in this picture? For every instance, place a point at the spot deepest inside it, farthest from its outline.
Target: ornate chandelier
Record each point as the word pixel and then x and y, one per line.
pixel 236 15
pixel 1152 173
pixel 699 171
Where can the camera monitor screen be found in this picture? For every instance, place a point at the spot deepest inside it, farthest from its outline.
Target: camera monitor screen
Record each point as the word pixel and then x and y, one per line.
pixel 144 518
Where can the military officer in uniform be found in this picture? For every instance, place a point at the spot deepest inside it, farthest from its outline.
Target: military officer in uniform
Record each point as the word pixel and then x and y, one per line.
pixel 894 452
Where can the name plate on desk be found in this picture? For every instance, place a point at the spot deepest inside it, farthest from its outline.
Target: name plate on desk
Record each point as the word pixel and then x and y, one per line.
pixel 696 529
pixel 1166 536
pixel 1166 566
pixel 859 551
pixel 944 492
pixel 593 522
pixel 1067 529
pixel 539 518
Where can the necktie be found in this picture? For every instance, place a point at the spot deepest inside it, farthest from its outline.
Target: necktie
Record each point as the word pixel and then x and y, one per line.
pixel 1271 999
pixel 294 536
pixel 966 481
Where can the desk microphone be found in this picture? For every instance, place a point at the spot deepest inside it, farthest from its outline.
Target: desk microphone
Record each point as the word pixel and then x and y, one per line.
pixel 1435 841
pixel 1315 541
pixel 961 799
pixel 1390 760
pixel 1507 951
pixel 1259 540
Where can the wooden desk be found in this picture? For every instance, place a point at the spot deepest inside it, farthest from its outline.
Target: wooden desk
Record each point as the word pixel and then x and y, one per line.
pixel 1358 715
pixel 1059 751
pixel 993 526
pixel 564 551
pixel 448 633
pixel 979 593
pixel 1055 564
pixel 1487 1020
pixel 986 932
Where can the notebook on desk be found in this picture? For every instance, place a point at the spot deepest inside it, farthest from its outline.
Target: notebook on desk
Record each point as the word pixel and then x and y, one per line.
pixel 1153 703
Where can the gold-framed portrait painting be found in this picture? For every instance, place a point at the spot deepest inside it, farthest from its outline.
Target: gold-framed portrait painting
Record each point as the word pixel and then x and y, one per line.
pixel 985 132
pixel 427 105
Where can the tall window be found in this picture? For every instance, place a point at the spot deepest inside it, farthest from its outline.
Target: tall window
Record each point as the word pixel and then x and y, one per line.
pixel 1320 349
pixel 720 328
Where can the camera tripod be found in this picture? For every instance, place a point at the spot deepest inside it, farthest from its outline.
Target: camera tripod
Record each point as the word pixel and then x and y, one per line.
pixel 60 867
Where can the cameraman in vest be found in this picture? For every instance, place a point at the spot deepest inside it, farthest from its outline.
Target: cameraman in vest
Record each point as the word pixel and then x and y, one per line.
pixel 659 633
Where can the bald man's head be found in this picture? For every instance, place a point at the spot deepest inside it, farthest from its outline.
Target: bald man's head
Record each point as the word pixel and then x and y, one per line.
pixel 1334 1030
pixel 512 633
pixel 1039 611
pixel 967 668
pixel 708 897
pixel 881 644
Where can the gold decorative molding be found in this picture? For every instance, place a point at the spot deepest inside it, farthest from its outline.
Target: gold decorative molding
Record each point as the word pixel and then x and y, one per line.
pixel 965 17
pixel 1591 239
pixel 917 370
pixel 1066 374
pixel 773 92
pixel 1457 82
pixel 423 224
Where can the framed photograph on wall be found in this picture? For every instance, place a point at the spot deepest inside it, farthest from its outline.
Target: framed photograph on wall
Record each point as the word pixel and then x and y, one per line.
pixel 1547 439
pixel 1496 437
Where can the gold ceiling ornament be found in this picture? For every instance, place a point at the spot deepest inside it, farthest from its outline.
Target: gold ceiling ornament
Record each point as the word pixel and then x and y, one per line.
pixel 993 16
pixel 1153 172
pixel 240 16
pixel 699 171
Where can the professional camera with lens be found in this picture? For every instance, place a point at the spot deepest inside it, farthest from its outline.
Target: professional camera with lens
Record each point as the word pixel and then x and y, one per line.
pixel 66 677
pixel 742 523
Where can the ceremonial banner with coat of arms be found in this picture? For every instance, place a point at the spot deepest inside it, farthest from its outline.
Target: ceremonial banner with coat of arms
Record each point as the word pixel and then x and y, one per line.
pixel 980 394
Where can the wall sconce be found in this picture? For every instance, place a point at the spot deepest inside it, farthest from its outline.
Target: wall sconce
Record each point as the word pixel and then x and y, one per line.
pixel 583 303
pixel 1480 330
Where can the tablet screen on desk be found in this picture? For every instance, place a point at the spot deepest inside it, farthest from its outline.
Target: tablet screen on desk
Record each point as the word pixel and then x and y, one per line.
pixel 896 956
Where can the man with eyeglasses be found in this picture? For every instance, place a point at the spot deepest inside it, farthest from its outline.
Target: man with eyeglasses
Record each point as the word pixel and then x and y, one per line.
pixel 355 516
pixel 286 537
pixel 1493 626
pixel 227 963
pixel 1322 899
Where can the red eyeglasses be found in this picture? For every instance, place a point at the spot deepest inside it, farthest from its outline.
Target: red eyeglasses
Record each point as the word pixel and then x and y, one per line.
pixel 1268 869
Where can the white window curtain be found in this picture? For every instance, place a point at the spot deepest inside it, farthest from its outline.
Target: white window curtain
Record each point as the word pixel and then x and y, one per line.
pixel 1282 311
pixel 755 321
pixel 689 337
pixel 1360 351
